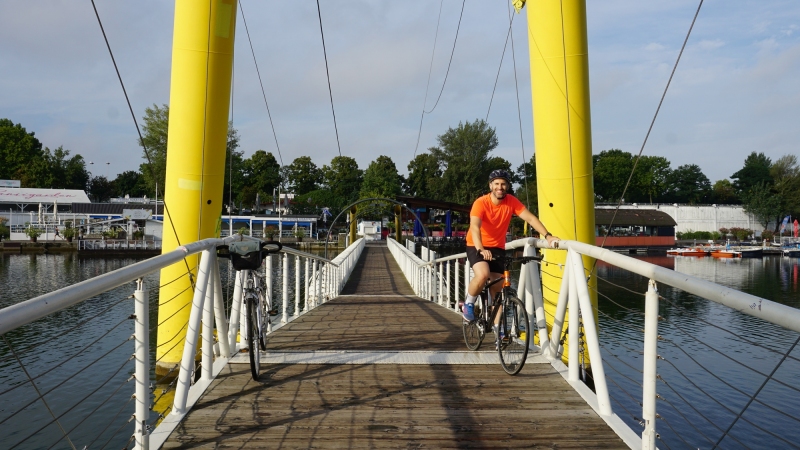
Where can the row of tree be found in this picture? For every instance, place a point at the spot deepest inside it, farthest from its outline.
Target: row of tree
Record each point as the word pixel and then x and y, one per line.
pixel 455 170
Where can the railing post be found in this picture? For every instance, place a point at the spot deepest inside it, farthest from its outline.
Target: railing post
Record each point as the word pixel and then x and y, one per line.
pixel 285 293
pixel 466 278
pixel 296 285
pixel 456 291
pixel 307 284
pixel 649 370
pixel 561 312
pixel 142 374
pixel 268 280
pixel 449 297
pixel 237 312
pixel 574 329
pixel 590 333
pixel 220 319
pixel 192 332
pixel 207 358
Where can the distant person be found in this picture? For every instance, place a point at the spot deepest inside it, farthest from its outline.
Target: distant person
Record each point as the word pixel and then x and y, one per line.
pixel 56 233
pixel 486 237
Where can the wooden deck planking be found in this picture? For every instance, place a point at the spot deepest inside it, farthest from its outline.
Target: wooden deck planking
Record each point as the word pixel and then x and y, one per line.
pixel 390 405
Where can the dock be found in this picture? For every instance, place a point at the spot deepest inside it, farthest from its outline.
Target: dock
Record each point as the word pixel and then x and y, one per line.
pixel 378 367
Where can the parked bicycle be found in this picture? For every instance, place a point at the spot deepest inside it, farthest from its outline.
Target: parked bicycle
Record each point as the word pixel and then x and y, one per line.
pixel 508 313
pixel 246 258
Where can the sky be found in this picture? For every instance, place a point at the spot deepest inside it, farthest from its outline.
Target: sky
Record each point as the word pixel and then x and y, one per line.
pixel 735 91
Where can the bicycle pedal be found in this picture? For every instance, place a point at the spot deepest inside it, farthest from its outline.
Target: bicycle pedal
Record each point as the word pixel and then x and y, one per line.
pixel 273 312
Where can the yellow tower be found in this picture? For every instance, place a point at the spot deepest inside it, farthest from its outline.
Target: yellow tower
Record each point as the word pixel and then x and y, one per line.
pixel 562 133
pixel 202 64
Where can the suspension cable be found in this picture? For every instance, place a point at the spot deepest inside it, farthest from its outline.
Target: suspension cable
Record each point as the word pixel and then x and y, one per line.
pixel 261 83
pixel 139 132
pixel 328 74
pixel 653 121
pixel 447 73
pixel 430 71
pixel 39 393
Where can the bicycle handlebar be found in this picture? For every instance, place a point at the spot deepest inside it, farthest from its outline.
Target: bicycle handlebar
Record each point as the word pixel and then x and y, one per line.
pixel 266 247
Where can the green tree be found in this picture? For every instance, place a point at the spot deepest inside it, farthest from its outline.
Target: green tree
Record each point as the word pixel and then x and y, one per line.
pixel 262 172
pixel 155 127
pixel 343 179
pixel 612 168
pixel 100 189
pixel 762 203
pixel 464 154
pixel 18 149
pixel 130 183
pixel 66 172
pixel 786 177
pixel 381 179
pixel 650 178
pixel 528 187
pixel 688 184
pixel 723 193
pixel 755 172
pixel 424 176
pixel 302 175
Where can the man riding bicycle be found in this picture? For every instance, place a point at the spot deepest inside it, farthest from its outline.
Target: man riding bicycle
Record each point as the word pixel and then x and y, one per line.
pixel 486 238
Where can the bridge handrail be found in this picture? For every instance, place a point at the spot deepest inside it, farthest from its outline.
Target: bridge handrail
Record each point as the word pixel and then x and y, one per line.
pixel 768 310
pixel 22 313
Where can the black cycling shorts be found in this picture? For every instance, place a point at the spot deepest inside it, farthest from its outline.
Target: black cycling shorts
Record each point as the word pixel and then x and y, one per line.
pixel 495 265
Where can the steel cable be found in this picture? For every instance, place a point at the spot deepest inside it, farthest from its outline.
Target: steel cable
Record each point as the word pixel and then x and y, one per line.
pixel 136 124
pixel 68 358
pixel 41 396
pixel 65 332
pixel 125 405
pixel 261 83
pixel 73 406
pixel 328 75
pixel 97 408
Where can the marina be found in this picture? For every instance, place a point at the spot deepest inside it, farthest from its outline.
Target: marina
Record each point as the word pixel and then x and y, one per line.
pixel 654 312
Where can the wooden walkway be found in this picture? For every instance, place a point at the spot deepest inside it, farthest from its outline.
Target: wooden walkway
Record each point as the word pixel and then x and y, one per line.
pixel 365 372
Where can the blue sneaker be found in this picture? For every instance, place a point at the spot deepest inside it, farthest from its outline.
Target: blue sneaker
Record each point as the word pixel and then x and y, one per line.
pixel 468 312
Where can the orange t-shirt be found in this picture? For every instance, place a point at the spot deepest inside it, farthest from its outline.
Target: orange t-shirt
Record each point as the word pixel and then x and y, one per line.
pixel 494 219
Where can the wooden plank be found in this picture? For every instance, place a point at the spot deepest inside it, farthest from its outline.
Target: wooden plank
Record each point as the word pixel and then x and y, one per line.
pixel 329 406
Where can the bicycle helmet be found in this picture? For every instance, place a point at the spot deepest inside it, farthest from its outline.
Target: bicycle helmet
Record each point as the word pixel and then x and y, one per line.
pixel 500 173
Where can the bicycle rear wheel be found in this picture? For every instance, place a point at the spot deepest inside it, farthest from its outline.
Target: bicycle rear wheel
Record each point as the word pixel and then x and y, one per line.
pixel 513 348
pixel 474 331
pixel 263 321
pixel 253 327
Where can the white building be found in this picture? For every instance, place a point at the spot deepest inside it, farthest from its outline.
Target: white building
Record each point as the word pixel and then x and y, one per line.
pixel 702 217
pixel 369 229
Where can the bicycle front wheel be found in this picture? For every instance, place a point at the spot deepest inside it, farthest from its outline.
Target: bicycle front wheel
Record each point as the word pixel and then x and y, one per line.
pixel 253 327
pixel 474 331
pixel 513 347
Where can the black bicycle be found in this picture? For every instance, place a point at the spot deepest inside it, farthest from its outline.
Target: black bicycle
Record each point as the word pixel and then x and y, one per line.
pixel 511 337
pixel 246 257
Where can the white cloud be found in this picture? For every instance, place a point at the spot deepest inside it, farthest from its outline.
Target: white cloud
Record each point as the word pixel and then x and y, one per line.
pixel 710 44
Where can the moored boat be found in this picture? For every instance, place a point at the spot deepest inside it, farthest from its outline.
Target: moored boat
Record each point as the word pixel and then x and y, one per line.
pixel 696 251
pixel 726 254
pixel 751 252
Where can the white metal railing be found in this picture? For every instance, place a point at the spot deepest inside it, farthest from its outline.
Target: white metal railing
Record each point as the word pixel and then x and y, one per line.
pixel 208 322
pixel 118 244
pixel 440 281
